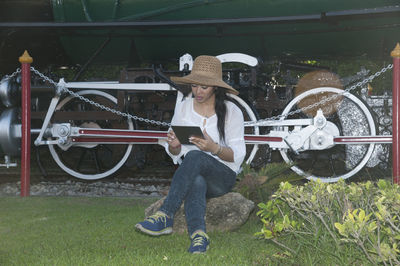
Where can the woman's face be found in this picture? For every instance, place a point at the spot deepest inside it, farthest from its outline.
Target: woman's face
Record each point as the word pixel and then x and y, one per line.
pixel 203 94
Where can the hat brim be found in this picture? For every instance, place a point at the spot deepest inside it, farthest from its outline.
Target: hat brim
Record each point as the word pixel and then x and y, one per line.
pixel 194 78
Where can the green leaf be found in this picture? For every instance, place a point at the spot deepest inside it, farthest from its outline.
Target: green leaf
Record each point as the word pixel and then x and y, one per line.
pixel 329 189
pixel 262 205
pixel 340 227
pixel 285 186
pixel 361 215
pixel 268 234
pixel 371 227
pixel 382 184
pixel 379 216
pixel 279 227
pixel 350 216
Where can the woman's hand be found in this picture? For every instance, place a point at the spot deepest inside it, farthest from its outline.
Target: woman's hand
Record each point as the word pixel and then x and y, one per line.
pixel 206 144
pixel 174 144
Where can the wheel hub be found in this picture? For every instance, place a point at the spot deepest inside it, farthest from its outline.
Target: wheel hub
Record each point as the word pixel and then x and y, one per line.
pixel 323 138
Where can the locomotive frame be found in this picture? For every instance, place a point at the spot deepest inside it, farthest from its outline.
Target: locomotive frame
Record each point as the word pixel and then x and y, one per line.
pixel 292 136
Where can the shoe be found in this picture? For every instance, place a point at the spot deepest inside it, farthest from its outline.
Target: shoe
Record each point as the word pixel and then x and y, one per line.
pixel 200 243
pixel 156 224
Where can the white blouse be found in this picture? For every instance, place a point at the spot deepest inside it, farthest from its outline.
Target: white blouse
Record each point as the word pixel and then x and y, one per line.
pixel 234 130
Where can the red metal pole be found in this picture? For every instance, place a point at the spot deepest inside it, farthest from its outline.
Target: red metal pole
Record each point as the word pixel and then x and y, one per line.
pixel 26 61
pixel 396 114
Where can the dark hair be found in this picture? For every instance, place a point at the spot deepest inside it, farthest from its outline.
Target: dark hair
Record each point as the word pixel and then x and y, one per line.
pixel 220 110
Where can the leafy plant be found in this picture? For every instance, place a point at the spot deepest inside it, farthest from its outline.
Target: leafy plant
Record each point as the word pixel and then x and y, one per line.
pixel 375 229
pixel 362 214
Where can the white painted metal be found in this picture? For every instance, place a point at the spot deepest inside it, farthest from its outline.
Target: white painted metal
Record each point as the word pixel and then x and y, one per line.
pixel 239 58
pixel 371 126
pixel 90 176
pixel 185 60
pixel 119 86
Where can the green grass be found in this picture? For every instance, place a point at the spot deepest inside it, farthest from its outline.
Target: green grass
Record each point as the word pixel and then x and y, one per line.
pixel 100 231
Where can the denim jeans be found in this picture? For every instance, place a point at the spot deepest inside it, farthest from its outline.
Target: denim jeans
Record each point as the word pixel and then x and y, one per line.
pixel 200 176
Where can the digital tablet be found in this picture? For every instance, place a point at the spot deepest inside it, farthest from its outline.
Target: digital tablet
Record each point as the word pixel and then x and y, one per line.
pixel 183 133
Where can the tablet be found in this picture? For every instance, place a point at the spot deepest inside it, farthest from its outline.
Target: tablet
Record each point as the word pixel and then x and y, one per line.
pixel 183 133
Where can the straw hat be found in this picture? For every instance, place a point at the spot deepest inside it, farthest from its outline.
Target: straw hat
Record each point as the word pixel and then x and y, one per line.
pixel 206 71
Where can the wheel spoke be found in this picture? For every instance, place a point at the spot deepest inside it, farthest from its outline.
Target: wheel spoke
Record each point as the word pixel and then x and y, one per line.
pixel 351 118
pixel 92 161
pixel 81 159
pixel 95 160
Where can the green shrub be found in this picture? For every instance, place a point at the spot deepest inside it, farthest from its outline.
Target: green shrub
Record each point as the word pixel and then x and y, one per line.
pixel 362 214
pixel 259 185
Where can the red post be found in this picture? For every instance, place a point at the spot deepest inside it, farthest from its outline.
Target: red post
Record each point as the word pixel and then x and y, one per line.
pixel 396 114
pixel 26 61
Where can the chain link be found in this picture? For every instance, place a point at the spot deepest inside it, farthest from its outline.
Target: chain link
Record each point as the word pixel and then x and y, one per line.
pixel 16 72
pixel 44 77
pixel 98 105
pixel 249 123
pixel 323 101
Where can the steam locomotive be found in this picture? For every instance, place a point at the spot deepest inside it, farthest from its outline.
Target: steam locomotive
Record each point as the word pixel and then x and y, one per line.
pixel 81 33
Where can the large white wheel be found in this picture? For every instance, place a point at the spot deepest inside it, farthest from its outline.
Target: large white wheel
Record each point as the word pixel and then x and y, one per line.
pixel 352 117
pixel 248 116
pixel 92 162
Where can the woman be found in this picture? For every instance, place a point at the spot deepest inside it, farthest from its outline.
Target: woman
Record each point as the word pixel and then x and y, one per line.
pixel 210 165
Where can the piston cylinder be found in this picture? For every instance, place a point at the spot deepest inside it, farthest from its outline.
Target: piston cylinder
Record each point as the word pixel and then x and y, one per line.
pixel 10 132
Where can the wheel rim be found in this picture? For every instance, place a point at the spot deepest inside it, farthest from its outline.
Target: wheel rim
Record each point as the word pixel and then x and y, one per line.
pixel 249 115
pixel 97 153
pixel 354 156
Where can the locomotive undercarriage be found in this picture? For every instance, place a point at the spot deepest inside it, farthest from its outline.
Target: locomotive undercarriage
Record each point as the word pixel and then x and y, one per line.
pixel 263 93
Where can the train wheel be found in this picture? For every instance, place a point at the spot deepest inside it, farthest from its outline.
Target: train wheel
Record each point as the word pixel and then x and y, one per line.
pixel 352 117
pixel 92 161
pixel 248 115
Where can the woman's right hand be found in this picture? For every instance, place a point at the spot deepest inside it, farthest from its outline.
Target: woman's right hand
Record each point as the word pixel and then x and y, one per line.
pixel 173 142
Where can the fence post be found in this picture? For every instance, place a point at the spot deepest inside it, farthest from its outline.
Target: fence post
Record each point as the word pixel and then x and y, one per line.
pixel 26 61
pixel 395 114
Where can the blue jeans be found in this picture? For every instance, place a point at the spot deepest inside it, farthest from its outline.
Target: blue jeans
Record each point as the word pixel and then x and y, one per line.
pixel 200 176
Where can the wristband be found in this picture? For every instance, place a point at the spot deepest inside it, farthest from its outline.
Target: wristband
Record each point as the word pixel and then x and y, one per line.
pixel 218 151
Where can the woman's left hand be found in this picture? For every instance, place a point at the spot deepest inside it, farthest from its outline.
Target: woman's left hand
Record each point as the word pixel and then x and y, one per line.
pixel 206 144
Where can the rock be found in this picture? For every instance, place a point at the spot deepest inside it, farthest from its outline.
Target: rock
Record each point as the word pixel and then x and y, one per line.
pixel 225 213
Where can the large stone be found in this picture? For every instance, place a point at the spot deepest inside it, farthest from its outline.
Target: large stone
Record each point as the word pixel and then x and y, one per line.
pixel 225 213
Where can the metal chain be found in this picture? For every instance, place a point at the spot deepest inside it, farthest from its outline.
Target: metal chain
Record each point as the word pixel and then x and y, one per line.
pixel 249 123
pixel 44 77
pixel 16 72
pixel 106 108
pixel 323 101
pixel 98 105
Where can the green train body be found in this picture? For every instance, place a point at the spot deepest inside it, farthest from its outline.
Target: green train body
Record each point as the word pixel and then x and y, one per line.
pixel 289 28
pixel 166 29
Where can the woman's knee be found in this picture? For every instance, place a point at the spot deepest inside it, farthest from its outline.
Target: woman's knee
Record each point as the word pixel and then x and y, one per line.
pixel 194 155
pixel 199 183
pixel 194 159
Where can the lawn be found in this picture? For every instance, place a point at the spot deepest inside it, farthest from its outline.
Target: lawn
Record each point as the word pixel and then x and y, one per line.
pixel 100 231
